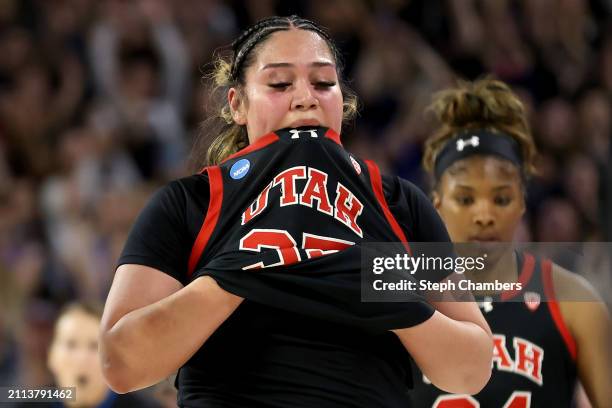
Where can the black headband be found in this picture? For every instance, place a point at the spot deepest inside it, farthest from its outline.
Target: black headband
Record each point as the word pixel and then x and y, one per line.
pixel 478 141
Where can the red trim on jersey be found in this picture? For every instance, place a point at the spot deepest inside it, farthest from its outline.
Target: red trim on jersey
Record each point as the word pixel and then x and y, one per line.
pixel 212 216
pixel 331 134
pixel 377 187
pixel 524 276
pixel 555 311
pixel 259 144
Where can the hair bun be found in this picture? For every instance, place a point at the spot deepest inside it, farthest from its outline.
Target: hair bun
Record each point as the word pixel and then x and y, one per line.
pixel 483 104
pixel 487 102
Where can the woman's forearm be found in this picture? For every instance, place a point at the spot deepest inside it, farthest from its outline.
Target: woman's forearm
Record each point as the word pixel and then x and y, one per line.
pixel 454 355
pixel 148 344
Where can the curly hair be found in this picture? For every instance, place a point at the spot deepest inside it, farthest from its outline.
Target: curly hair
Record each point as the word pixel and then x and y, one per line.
pixel 483 104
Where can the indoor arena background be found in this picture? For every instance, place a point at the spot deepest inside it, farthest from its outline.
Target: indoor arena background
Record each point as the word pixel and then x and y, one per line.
pixel 100 101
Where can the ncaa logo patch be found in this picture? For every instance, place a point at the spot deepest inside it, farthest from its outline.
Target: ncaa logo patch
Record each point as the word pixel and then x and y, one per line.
pixel 532 300
pixel 240 169
pixel 355 164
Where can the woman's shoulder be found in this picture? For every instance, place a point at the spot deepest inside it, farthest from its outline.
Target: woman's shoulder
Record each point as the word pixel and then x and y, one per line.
pixel 572 287
pixel 583 310
pixel 413 211
pixel 187 184
pixel 180 191
pixel 174 205
pixel 398 190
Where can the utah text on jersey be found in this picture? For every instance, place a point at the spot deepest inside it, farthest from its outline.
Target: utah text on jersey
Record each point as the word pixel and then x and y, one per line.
pixel 346 207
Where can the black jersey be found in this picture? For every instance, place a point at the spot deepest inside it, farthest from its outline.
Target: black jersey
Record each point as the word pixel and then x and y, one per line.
pixel 534 352
pixel 290 208
pixel 297 244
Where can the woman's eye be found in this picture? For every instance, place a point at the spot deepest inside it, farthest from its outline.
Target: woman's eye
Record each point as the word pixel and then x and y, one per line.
pixel 464 200
pixel 280 85
pixel 502 200
pixel 324 84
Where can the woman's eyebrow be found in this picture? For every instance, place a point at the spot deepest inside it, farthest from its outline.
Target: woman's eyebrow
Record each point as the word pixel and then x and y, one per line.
pixel 315 64
pixel 503 186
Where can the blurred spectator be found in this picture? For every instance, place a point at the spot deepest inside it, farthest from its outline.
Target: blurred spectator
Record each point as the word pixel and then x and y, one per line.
pixel 582 186
pixel 73 360
pixel 33 334
pixel 605 62
pixel 141 66
pixel 557 220
pixel 11 303
pixel 32 110
pixel 556 127
pixel 595 123
pixel 606 198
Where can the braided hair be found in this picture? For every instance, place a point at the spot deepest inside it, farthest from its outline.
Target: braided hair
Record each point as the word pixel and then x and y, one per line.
pixel 255 35
pixel 227 136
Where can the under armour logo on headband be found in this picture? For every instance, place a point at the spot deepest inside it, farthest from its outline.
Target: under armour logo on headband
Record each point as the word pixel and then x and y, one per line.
pixel 483 142
pixel 473 141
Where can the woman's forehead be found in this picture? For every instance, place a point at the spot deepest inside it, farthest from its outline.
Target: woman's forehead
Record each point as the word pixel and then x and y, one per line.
pixel 295 47
pixel 483 169
pixel 76 321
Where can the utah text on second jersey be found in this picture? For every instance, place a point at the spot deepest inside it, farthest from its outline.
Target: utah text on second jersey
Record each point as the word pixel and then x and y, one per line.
pixel 534 353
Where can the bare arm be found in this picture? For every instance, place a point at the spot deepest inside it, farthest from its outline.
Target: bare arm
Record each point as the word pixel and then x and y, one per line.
pixel 103 52
pixel 590 325
pixel 152 324
pixel 453 348
pixel 171 46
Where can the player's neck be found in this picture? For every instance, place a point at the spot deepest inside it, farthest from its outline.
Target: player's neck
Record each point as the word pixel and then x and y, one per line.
pixel 503 269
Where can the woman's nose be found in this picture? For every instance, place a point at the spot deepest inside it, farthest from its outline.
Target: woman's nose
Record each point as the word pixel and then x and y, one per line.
pixel 303 97
pixel 483 215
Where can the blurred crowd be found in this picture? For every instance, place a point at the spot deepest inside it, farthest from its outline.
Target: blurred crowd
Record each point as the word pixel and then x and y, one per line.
pixel 100 101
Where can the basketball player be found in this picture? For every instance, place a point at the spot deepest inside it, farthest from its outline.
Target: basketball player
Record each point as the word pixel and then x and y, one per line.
pixel 479 159
pixel 246 276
